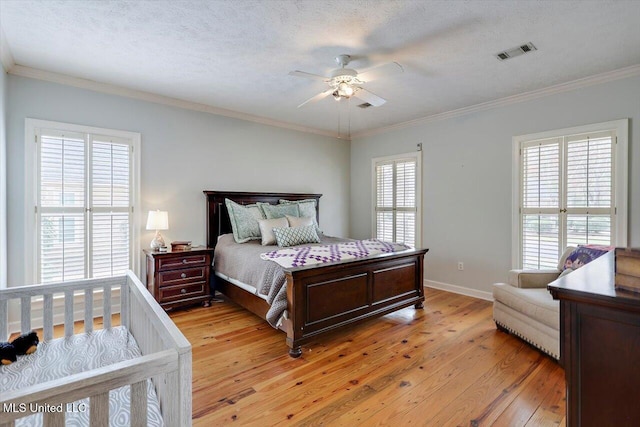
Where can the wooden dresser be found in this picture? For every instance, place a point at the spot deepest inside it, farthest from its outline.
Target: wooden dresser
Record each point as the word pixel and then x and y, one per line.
pixel 599 346
pixel 179 278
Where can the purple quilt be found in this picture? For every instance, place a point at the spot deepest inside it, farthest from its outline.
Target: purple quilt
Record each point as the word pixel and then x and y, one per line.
pixel 302 256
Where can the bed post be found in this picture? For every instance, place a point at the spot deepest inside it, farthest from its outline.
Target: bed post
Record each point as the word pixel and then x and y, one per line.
pixel 295 303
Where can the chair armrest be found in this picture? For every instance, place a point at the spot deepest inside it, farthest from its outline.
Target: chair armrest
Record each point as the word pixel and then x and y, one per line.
pixel 532 278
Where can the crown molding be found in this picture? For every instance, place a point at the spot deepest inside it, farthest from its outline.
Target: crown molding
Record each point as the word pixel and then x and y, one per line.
pixel 34 73
pixel 20 70
pixel 5 52
pixel 622 73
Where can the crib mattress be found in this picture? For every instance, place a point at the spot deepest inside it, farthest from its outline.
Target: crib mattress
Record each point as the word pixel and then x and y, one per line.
pixel 62 357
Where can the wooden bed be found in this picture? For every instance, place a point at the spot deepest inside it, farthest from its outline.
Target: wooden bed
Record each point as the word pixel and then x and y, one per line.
pixel 324 297
pixel 165 359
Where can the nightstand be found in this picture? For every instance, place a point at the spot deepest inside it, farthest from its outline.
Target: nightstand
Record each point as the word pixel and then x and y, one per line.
pixel 179 278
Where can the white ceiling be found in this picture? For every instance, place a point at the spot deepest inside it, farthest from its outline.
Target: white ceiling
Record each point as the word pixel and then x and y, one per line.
pixel 236 55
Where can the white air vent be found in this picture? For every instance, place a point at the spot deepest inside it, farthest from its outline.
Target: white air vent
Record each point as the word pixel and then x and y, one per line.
pixel 516 51
pixel 365 105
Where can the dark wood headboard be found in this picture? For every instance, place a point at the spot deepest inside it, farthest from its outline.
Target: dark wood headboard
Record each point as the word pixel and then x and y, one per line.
pixel 218 219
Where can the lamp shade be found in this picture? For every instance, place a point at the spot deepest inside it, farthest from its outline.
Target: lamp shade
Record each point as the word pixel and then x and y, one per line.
pixel 158 220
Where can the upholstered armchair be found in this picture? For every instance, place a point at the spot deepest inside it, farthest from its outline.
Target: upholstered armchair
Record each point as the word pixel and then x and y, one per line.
pixel 524 307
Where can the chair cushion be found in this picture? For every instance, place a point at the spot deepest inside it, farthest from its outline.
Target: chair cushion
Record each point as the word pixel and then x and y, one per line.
pixel 535 303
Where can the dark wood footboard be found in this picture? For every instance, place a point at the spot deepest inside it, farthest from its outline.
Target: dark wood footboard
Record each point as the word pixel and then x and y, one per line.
pixel 321 299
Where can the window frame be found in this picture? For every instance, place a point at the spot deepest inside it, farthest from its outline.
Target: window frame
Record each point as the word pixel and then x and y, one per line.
pixel 620 162
pixel 417 155
pixel 31 200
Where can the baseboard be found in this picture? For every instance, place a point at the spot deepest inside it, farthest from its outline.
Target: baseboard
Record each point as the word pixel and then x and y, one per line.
pixel 459 290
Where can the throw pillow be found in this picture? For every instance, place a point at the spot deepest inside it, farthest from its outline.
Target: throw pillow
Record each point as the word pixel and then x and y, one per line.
pixel 292 236
pixel 583 255
pixel 278 211
pixel 307 207
pixel 267 226
pixel 244 221
pixel 302 221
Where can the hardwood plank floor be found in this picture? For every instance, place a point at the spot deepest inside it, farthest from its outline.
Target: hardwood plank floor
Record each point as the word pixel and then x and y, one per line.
pixel 444 365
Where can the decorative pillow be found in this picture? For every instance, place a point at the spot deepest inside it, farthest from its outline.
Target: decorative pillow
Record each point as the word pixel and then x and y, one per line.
pixel 267 226
pixel 278 211
pixel 302 221
pixel 582 255
pixel 292 236
pixel 244 221
pixel 307 207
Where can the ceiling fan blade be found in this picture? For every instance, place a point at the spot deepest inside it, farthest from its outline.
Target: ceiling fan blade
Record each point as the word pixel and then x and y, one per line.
pixel 381 71
pixel 318 97
pixel 308 75
pixel 369 97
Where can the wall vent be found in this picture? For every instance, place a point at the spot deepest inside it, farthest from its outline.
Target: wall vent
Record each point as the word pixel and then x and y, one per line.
pixel 365 105
pixel 516 51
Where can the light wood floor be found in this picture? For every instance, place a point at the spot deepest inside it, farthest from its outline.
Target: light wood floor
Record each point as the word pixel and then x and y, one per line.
pixel 444 365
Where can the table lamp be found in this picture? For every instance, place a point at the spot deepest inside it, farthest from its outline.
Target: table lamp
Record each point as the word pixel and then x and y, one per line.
pixel 158 220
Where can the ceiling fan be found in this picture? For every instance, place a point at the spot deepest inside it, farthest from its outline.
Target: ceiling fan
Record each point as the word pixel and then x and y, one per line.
pixel 346 82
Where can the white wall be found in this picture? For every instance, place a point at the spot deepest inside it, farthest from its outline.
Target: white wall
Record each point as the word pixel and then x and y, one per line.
pixel 3 177
pixel 183 153
pixel 467 164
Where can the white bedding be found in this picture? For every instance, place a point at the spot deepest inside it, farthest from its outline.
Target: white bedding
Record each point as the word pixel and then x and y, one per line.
pixel 80 353
pixel 248 288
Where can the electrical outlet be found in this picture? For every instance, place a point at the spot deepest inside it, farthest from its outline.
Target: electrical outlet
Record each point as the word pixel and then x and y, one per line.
pixel 460 265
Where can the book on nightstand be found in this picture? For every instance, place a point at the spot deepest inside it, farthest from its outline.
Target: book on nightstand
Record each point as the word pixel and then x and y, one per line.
pixel 180 245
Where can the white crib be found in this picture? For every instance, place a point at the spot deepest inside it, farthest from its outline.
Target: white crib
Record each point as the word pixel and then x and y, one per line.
pixel 166 353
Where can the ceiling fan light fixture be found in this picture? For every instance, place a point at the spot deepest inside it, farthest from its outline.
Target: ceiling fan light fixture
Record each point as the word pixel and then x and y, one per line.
pixel 344 89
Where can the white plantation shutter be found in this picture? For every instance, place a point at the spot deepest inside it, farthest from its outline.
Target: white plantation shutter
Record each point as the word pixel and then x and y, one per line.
pixel 540 203
pixel 384 205
pixel 110 183
pixel 62 199
pixel 590 193
pixel 396 199
pixel 566 196
pixel 84 205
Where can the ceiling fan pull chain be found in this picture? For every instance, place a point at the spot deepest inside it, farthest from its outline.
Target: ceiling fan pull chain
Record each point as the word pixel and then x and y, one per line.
pixel 349 116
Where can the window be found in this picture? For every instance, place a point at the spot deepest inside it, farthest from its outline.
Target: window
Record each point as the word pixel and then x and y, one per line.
pixel 396 198
pixel 571 191
pixel 84 201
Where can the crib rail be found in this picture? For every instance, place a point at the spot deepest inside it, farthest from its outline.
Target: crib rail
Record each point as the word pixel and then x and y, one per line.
pixel 67 291
pixel 155 331
pixel 166 352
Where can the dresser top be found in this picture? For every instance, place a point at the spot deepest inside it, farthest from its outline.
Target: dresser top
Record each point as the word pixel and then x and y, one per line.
pixel 194 250
pixel 595 282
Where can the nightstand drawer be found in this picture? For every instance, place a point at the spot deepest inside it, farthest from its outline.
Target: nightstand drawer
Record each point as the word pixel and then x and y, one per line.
pixel 179 292
pixel 179 262
pixel 186 275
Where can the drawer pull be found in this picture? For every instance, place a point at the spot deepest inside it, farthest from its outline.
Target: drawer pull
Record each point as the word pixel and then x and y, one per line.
pixel 184 261
pixel 183 291
pixel 183 275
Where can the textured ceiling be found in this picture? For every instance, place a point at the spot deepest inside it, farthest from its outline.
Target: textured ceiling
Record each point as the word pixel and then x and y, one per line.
pixel 236 54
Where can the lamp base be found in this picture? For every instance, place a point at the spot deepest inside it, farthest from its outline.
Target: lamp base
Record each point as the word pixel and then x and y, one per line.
pixel 158 242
